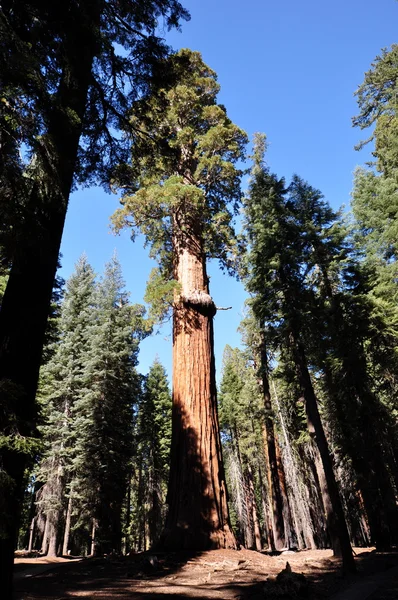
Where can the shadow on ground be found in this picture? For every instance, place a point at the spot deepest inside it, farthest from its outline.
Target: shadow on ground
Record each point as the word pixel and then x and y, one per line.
pixel 215 574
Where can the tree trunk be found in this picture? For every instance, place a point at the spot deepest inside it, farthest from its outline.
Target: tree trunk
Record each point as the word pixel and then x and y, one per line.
pixel 304 517
pixel 198 515
pixel 53 521
pixel 128 516
pixel 256 524
pixel 276 499
pixel 23 324
pixel 31 534
pixel 330 494
pixel 365 450
pixel 290 535
pixel 68 521
pixel 45 540
pixel 93 549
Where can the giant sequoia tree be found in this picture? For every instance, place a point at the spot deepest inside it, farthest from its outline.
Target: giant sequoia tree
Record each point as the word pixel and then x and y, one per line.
pixel 64 78
pixel 184 177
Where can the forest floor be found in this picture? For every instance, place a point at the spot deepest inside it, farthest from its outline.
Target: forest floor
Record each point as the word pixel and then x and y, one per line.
pixel 216 574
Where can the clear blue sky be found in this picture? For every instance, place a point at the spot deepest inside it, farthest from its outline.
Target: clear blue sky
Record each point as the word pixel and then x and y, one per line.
pixel 286 68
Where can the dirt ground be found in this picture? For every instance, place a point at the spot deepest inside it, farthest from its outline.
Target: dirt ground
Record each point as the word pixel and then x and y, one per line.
pixel 222 574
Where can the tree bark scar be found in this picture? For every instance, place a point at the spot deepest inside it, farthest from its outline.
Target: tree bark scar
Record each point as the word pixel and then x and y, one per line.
pixel 201 301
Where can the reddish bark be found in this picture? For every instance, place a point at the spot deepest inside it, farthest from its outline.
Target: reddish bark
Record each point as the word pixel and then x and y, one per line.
pixel 198 515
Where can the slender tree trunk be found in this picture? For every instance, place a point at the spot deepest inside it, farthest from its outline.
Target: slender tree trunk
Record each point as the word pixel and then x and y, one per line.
pixel 290 536
pixel 366 450
pixel 93 548
pixel 274 484
pixel 265 507
pixel 22 324
pixel 330 494
pixel 128 515
pixel 256 524
pixel 68 521
pixel 198 515
pixel 31 534
pixel 45 540
pixel 299 500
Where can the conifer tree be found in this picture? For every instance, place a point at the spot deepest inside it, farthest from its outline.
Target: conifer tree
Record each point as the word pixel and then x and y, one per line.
pixel 345 313
pixel 241 422
pixel 184 185
pixel 254 337
pixel 277 273
pixel 154 435
pixel 62 380
pixel 69 84
pixel 103 414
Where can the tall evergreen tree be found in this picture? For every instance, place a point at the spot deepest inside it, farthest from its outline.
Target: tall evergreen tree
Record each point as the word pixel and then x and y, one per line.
pixel 183 178
pixel 103 414
pixel 62 65
pixel 241 428
pixel 62 380
pixel 346 317
pixel 154 435
pixel 277 273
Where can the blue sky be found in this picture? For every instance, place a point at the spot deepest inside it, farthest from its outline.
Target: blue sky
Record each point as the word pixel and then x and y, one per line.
pixel 286 68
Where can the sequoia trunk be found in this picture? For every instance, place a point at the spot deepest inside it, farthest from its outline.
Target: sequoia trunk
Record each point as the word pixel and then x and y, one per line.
pixel 198 512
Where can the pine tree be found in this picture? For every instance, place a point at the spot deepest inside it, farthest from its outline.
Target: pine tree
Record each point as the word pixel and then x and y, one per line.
pixel 254 336
pixel 348 324
pixel 62 380
pixel 238 401
pixel 277 274
pixel 154 435
pixel 183 179
pixel 103 414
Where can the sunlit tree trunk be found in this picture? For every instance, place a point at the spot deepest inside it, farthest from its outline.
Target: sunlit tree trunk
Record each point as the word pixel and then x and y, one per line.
pixel 93 548
pixel 31 533
pixel 198 512
pixel 67 527
pixel 277 500
pixel 302 517
pixel 45 540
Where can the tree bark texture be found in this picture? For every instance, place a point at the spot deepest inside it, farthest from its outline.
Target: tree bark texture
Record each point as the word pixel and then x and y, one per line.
pixel 336 523
pixel 301 515
pixel 198 515
pixel 23 324
pixel 253 502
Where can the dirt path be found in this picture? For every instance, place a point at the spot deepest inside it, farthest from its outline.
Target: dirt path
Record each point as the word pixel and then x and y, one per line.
pixel 30 567
pixel 221 574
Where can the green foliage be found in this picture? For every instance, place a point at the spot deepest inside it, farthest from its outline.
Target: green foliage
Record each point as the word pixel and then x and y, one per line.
pixel 88 392
pixel 103 413
pixel 61 386
pixel 119 35
pixel 183 165
pixel 378 100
